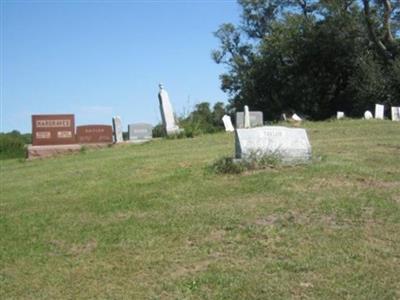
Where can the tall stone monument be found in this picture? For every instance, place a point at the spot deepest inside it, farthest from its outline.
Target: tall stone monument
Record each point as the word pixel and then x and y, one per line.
pixel 117 124
pixel 246 117
pixel 167 114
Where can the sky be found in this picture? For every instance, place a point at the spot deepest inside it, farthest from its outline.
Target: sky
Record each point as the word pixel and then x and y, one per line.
pixel 98 59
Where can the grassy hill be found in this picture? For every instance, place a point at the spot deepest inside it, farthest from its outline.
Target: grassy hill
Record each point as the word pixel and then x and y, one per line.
pixel 150 222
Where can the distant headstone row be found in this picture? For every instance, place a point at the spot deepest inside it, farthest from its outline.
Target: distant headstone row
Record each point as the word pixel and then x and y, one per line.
pixel 380 113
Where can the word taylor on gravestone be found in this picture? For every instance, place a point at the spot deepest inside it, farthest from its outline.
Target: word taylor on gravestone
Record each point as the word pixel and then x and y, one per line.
pixel 290 145
pixel 53 130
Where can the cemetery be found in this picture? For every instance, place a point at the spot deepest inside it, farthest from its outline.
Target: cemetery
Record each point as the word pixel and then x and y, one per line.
pixel 272 174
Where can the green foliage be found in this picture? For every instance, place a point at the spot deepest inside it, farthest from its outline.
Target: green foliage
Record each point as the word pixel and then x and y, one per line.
pixel 229 165
pixel 146 222
pixel 310 57
pixel 12 144
pixel 201 120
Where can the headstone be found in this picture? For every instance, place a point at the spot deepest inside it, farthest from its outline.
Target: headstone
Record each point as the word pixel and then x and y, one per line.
pixel 246 117
pixel 295 117
pixel 288 144
pixel 368 115
pixel 94 134
pixel 395 113
pixel 140 132
pixel 379 111
pixel 256 119
pixel 228 123
pixel 339 115
pixel 167 114
pixel 283 117
pixel 117 126
pixel 53 130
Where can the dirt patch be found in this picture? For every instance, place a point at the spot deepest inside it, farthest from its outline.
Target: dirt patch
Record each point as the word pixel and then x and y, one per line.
pixel 81 249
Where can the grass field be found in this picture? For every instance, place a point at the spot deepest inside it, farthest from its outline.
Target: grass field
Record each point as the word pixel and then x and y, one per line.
pixel 150 222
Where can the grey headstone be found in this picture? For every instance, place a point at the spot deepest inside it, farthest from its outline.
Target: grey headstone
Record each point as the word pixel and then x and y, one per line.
pixel 256 119
pixel 379 111
pixel 117 126
pixel 289 144
pixel 395 113
pixel 140 131
pixel 167 114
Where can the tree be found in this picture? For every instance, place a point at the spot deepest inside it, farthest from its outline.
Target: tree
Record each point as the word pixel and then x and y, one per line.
pixel 308 56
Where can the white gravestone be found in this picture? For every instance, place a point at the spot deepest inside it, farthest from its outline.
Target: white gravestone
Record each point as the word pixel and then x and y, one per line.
pixel 291 145
pixel 246 117
pixel 117 124
pixel 167 114
pixel 339 115
pixel 295 117
pixel 368 115
pixel 379 111
pixel 140 132
pixel 395 113
pixel 228 123
pixel 256 119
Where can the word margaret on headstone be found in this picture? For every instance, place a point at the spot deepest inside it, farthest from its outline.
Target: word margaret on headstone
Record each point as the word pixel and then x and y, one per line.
pixel 94 134
pixel 117 126
pixel 53 129
pixel 167 114
pixel 140 132
pixel 290 145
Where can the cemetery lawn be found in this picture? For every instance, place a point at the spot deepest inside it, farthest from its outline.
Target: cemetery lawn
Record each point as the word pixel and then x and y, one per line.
pixel 150 222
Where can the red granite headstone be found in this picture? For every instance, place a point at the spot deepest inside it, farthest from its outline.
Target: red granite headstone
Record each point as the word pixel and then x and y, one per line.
pixel 96 134
pixel 53 130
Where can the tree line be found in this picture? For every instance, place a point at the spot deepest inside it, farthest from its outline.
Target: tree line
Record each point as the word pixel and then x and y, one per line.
pixel 311 57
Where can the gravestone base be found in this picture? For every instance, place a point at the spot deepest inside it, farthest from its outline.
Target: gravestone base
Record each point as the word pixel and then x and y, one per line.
pixel 137 141
pixel 34 152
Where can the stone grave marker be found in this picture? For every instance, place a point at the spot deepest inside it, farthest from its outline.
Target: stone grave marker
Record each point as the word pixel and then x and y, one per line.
pixel 140 132
pixel 256 119
pixel 291 145
pixel 246 117
pixel 167 114
pixel 117 126
pixel 228 123
pixel 53 130
pixel 94 134
pixel 395 113
pixel 379 111
pixel 295 117
pixel 339 115
pixel 368 115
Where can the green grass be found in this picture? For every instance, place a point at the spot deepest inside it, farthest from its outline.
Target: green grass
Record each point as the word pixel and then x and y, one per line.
pixel 150 222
